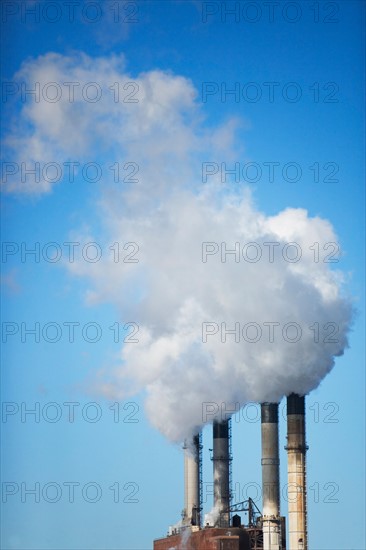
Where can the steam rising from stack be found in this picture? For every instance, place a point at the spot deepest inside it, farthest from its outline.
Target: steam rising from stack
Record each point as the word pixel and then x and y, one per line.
pixel 273 525
pixel 169 209
pixel 176 293
pixel 168 212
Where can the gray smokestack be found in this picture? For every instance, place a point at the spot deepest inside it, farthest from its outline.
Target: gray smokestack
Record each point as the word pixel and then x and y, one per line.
pixel 270 477
pixel 221 472
pixel 296 457
pixel 192 481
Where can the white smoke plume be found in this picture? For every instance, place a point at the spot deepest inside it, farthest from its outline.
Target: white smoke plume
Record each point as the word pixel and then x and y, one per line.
pixel 212 516
pixel 185 536
pixel 183 369
pixel 291 292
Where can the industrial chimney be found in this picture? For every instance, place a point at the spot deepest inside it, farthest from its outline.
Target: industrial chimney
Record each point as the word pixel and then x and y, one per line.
pixel 192 481
pixel 271 521
pixel 221 472
pixel 296 460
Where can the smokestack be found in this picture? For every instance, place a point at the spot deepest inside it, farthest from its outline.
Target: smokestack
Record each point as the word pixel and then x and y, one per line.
pixel 192 481
pixel 272 539
pixel 296 460
pixel 221 472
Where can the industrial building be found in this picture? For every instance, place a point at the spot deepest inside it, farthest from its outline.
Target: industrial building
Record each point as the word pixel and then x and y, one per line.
pixel 265 529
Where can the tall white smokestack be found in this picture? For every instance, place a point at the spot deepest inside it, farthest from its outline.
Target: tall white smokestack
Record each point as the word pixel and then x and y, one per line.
pixel 270 477
pixel 296 457
pixel 192 478
pixel 221 472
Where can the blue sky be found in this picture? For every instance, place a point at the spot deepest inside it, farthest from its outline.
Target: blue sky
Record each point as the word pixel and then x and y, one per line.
pixel 175 52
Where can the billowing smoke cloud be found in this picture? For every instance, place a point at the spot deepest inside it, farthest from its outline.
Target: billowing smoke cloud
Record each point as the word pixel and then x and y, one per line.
pixel 278 293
